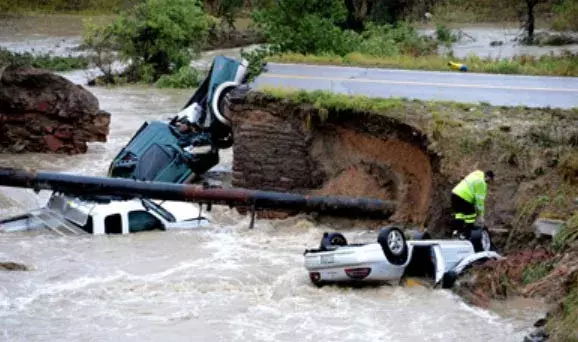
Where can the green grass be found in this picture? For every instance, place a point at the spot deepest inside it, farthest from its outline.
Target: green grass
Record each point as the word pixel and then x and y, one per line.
pixel 565 65
pixel 567 235
pixel 43 61
pixel 562 326
pixel 536 271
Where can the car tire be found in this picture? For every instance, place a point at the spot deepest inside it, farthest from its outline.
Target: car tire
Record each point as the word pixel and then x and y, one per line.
pixel 449 279
pixel 394 245
pixel 219 98
pixel 481 239
pixel 333 239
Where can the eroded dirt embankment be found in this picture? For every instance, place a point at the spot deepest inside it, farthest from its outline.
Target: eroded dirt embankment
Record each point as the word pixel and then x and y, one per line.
pixel 414 152
pixel 288 148
pixel 411 152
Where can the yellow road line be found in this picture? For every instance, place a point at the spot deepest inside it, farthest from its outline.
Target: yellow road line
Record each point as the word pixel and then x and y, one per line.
pixel 437 84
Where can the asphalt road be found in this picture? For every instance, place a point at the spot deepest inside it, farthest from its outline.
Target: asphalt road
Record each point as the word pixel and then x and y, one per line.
pixel 507 90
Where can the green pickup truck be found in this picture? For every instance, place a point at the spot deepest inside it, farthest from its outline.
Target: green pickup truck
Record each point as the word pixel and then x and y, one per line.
pixel 160 151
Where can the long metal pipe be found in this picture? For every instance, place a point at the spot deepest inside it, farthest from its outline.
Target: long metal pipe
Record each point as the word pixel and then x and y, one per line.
pixel 77 185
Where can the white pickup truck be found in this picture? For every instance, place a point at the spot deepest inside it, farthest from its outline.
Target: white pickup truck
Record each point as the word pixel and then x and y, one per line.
pixel 67 215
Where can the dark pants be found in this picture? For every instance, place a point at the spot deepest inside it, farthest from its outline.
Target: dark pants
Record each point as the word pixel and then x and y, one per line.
pixel 459 205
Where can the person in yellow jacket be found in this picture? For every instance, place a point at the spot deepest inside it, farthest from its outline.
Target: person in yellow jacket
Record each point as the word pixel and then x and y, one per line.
pixel 468 201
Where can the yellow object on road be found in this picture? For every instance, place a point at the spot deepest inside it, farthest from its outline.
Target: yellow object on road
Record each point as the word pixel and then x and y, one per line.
pixel 458 66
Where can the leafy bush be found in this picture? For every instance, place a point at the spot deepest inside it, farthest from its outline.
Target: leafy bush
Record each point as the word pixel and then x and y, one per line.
pixel 157 37
pixel 389 40
pixel 308 26
pixel 101 6
pixel 185 77
pixel 43 61
pixel 445 35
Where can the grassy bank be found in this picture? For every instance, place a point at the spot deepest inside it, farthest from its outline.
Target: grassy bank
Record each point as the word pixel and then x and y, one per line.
pixel 84 7
pixel 564 65
pixel 535 145
pixel 44 61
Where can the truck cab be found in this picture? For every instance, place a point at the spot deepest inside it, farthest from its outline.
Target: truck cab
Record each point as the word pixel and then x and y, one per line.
pixel 69 215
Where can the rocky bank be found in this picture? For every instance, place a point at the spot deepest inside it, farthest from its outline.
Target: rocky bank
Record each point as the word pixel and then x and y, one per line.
pixel 413 152
pixel 44 112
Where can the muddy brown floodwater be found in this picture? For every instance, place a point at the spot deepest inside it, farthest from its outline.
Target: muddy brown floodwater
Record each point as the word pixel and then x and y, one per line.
pixel 224 283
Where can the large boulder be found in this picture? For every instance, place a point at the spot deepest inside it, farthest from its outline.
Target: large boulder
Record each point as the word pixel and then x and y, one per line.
pixel 44 112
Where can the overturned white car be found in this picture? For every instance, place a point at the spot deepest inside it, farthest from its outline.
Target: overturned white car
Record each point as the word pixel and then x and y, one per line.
pixel 393 257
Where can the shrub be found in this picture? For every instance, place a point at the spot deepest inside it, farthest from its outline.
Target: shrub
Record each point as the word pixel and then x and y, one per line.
pixel 308 27
pixel 389 40
pixel 185 77
pixel 43 61
pixel 156 36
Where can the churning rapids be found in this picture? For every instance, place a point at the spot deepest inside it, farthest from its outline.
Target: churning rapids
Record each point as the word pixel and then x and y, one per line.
pixel 220 284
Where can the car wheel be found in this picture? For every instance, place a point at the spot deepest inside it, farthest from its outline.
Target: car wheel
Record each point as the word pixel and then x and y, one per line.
pixel 333 239
pixel 219 99
pixel 481 240
pixel 394 245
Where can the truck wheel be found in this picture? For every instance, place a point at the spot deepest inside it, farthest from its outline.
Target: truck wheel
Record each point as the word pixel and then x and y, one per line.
pixel 394 245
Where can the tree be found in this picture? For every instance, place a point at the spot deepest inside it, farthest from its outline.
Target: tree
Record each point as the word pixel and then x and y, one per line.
pixel 228 10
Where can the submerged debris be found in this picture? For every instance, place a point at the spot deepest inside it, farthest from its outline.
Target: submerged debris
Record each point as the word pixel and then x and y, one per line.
pixel 13 266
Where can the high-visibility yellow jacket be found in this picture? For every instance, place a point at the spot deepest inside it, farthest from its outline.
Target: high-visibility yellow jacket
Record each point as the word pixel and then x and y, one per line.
pixel 473 189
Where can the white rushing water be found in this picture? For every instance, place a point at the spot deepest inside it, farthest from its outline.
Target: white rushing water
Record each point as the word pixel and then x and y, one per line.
pixel 225 283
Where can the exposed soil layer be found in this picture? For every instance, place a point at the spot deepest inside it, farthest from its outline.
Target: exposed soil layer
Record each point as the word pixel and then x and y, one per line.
pixel 411 152
pixel 366 156
pixel 43 112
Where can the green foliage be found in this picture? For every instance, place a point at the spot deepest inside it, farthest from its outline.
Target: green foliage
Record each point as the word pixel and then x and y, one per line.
pixel 256 60
pixel 43 61
pixel 99 40
pixel 564 65
pixel 566 15
pixel 157 37
pixel 445 35
pixel 306 26
pixel 562 325
pixel 185 77
pixel 537 271
pixel 229 9
pixel 567 235
pixel 94 6
pixel 332 102
pixel 390 40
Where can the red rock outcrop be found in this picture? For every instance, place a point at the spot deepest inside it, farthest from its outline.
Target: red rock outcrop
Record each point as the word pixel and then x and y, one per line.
pixel 44 112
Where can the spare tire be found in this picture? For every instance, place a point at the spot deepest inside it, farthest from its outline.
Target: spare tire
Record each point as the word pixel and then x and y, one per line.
pixel 394 245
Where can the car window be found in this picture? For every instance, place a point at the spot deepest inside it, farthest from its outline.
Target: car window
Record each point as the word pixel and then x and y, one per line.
pixel 140 220
pixel 113 224
pixel 154 160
